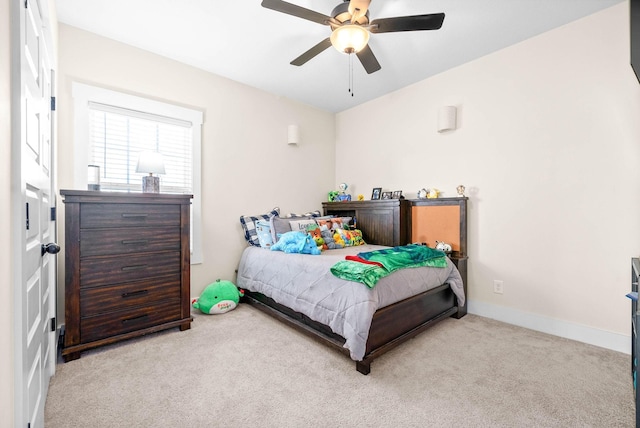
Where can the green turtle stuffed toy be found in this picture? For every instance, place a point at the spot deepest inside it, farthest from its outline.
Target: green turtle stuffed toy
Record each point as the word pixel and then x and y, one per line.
pixel 218 297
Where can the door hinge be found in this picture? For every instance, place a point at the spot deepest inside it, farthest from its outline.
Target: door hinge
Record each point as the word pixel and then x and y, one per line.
pixel 53 324
pixel 26 4
pixel 27 215
pixel 53 103
pixel 53 214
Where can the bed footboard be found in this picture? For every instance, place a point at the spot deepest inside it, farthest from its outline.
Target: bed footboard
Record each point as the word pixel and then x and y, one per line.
pixel 391 325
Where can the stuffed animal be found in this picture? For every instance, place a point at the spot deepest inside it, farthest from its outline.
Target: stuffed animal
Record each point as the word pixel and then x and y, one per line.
pixel 443 246
pixel 337 238
pixel 218 298
pixel 316 235
pixel 333 195
pixel 296 242
pixel 328 239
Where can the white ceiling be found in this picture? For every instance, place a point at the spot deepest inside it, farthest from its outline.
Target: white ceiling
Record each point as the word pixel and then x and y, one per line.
pixel 245 42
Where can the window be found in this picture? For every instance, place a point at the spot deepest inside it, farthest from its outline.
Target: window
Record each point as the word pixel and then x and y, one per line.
pixel 118 127
pixel 117 136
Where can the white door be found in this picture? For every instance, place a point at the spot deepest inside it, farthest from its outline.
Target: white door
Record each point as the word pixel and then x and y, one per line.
pixel 35 308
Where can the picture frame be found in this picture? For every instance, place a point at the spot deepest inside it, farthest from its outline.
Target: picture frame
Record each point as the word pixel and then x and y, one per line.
pixel 386 195
pixel 375 195
pixel 397 194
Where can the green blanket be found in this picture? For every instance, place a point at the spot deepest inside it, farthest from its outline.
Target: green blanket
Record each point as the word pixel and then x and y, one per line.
pixel 359 272
pixel 392 259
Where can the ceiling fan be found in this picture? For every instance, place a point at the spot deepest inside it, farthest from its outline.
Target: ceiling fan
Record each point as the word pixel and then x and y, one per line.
pixel 350 28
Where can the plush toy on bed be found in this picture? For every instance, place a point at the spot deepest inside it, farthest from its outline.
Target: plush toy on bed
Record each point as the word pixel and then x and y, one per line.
pixel 218 297
pixel 316 235
pixel 327 235
pixel 296 242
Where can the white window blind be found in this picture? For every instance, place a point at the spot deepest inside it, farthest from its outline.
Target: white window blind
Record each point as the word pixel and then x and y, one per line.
pixel 118 135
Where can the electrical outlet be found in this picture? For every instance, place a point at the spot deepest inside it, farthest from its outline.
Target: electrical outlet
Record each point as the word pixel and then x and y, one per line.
pixel 498 286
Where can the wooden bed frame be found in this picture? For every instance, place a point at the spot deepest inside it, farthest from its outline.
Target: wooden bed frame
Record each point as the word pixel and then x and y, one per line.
pixel 397 323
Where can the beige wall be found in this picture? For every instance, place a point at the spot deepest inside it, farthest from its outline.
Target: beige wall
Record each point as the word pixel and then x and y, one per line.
pixel 6 278
pixel 247 166
pixel 548 146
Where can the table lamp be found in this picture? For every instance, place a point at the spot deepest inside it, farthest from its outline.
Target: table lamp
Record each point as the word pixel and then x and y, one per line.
pixel 150 162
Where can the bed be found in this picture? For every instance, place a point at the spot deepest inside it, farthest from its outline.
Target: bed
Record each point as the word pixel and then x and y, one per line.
pixel 361 322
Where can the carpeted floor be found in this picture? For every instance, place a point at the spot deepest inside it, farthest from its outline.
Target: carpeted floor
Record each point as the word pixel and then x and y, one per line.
pixel 244 369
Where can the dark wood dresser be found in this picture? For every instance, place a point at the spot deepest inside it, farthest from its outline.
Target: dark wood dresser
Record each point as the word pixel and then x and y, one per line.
pixel 127 266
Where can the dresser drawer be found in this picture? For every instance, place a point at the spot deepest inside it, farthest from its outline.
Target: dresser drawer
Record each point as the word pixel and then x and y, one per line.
pixel 98 271
pixel 94 301
pixel 114 323
pixel 128 215
pixel 95 242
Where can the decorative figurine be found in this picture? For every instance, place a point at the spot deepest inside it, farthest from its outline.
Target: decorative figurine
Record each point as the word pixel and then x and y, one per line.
pixel 433 193
pixel 343 196
pixel 460 190
pixel 422 194
pixel 361 197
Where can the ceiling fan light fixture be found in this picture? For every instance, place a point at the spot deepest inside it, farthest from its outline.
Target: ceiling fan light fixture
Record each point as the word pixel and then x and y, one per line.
pixel 349 38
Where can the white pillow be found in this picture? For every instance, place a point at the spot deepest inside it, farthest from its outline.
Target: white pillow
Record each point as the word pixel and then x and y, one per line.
pixel 301 225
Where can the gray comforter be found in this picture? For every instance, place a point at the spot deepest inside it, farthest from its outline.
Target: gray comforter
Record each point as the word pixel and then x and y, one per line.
pixel 305 284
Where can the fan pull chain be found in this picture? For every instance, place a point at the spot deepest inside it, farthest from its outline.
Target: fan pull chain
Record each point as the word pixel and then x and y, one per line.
pixel 351 74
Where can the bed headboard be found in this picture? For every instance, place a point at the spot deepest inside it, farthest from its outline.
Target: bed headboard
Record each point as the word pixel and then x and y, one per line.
pixel 394 222
pixel 381 221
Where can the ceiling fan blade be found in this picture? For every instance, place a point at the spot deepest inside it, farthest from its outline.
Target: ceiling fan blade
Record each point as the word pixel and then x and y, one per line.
pixel 312 52
pixel 358 9
pixel 368 60
pixel 431 21
pixel 295 10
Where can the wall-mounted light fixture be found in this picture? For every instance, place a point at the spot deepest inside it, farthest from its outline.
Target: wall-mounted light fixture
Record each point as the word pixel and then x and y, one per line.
pixel 293 135
pixel 447 118
pixel 152 163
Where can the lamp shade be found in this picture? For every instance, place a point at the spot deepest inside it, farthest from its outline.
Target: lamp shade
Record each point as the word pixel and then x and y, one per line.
pixel 150 162
pixel 349 38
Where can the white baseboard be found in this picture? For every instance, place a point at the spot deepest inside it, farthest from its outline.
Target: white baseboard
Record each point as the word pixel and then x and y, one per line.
pixel 593 336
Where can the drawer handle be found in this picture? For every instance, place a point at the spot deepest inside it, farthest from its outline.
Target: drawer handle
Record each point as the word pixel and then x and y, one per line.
pixel 127 215
pixel 134 293
pixel 135 267
pixel 135 241
pixel 134 319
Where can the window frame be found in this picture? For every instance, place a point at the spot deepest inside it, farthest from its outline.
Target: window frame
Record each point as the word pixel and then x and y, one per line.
pixel 83 94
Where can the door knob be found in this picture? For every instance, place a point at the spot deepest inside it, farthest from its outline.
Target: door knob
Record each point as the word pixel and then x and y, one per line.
pixel 51 248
